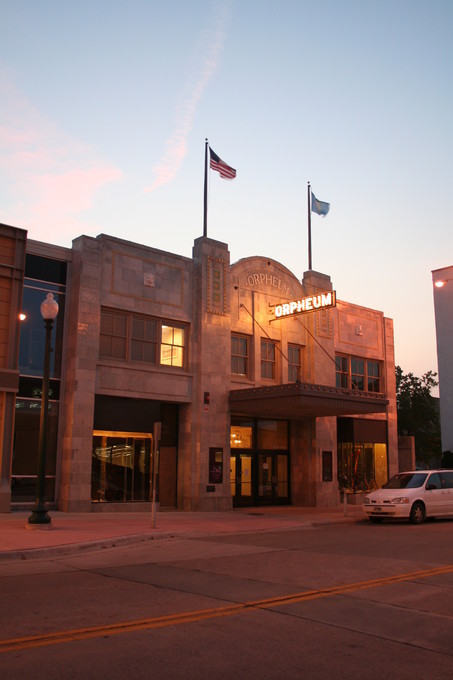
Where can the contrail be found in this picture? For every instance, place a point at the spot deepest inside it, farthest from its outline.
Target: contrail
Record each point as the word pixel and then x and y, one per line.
pixel 176 144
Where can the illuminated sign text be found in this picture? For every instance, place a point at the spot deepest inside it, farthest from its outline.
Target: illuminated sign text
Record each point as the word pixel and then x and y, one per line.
pixel 306 304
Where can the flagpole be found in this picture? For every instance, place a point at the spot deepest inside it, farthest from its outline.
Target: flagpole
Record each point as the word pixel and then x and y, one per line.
pixel 309 225
pixel 205 214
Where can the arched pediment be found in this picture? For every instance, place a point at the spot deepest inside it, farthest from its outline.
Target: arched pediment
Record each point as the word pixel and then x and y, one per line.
pixel 264 275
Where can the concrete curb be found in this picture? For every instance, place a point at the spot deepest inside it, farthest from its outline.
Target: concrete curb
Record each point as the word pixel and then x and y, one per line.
pixel 71 549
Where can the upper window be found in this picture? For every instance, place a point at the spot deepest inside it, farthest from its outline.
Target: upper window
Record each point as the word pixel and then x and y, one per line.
pixel 113 341
pixel 268 359
pixel 172 346
pixel 144 340
pixel 137 338
pixel 294 363
pixel 373 376
pixel 358 374
pixel 239 354
pixel 342 371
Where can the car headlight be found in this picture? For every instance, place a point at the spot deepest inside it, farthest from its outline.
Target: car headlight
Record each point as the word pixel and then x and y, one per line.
pixel 400 499
pixel 366 501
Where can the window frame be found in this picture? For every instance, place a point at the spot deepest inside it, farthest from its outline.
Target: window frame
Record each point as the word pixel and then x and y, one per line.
pixel 292 365
pixel 150 345
pixel 358 373
pixel 145 344
pixel 236 357
pixel 113 338
pixel 176 350
pixel 268 362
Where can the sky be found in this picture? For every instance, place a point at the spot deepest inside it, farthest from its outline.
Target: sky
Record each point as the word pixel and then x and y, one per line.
pixel 105 106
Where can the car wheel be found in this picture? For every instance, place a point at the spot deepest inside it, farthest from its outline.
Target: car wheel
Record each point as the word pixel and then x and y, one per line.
pixel 418 513
pixel 376 520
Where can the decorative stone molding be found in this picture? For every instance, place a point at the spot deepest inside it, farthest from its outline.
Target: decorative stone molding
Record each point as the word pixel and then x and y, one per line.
pixel 139 278
pixel 216 294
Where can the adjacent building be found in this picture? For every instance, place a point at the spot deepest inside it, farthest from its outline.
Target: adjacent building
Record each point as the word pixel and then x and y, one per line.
pixel 227 383
pixel 443 309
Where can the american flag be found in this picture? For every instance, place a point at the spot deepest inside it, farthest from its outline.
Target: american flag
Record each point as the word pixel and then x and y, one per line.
pixel 220 166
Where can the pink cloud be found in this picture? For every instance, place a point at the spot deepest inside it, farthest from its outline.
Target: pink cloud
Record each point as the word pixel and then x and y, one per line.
pixel 51 178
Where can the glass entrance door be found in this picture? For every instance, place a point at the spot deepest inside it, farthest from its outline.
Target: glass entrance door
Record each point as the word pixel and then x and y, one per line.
pixel 259 478
pixel 241 478
pixel 272 474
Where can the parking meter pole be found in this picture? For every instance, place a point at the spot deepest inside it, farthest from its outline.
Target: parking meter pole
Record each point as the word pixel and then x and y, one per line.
pixel 156 440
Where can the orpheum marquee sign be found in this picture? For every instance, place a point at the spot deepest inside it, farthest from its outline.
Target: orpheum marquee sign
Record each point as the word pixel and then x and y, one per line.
pixel 307 304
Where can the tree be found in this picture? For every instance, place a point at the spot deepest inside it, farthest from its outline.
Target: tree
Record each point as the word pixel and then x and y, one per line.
pixel 418 414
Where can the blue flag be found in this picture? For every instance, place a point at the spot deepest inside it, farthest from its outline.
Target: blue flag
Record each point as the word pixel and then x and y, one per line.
pixel 319 207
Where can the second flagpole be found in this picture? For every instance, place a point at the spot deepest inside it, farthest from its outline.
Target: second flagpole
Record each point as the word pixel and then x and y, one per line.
pixel 205 213
pixel 309 225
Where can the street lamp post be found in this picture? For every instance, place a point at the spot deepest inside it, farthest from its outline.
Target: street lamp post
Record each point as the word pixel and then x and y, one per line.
pixel 39 516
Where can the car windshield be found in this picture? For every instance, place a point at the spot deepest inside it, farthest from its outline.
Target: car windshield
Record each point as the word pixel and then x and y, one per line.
pixel 407 480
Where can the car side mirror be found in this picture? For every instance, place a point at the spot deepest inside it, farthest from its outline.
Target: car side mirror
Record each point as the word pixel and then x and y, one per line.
pixel 430 487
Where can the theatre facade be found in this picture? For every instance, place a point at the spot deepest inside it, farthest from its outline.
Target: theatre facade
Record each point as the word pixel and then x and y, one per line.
pixel 221 384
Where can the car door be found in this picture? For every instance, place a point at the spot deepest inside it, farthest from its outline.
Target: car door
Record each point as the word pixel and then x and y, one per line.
pixel 447 484
pixel 434 498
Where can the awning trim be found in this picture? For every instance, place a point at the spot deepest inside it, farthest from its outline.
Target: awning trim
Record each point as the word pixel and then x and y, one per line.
pixel 299 400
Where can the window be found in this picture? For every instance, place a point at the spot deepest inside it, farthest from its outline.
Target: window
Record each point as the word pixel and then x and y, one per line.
pixel 342 368
pixel 239 355
pixel 361 466
pixel 121 466
pixel 434 481
pixel 358 374
pixel 113 341
pixel 138 338
pixel 294 363
pixel 172 346
pixel 447 478
pixel 272 434
pixel 373 376
pixel 268 359
pixel 42 275
pixel 144 340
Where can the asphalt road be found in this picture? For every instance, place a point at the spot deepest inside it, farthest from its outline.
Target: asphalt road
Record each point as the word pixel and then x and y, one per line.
pixel 340 601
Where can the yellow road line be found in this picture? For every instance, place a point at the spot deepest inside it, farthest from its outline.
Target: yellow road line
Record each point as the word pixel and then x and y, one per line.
pixel 59 637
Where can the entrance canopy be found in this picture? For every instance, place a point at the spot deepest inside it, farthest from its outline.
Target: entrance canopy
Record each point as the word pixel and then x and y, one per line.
pixel 302 400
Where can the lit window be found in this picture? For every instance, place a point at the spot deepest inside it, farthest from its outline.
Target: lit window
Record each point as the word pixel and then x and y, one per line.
pixel 136 338
pixel 172 346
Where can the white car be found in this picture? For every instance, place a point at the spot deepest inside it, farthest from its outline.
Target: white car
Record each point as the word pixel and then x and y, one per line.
pixel 413 495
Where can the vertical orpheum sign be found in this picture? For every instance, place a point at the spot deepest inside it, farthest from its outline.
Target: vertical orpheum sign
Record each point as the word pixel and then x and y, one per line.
pixel 311 303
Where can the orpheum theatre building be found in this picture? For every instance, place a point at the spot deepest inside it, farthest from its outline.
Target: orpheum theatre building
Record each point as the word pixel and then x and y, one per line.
pixel 228 384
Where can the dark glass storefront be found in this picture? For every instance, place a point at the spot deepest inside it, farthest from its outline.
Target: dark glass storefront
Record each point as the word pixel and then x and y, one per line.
pixel 362 454
pixel 42 275
pixel 121 466
pixel 123 450
pixel 259 462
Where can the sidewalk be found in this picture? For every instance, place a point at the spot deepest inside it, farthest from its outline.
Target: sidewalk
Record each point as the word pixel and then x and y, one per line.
pixel 73 532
